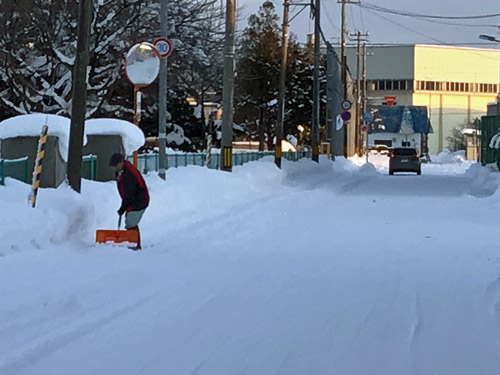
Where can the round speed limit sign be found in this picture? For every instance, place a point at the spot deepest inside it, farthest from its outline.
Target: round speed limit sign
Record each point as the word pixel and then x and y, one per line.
pixel 346 105
pixel 164 46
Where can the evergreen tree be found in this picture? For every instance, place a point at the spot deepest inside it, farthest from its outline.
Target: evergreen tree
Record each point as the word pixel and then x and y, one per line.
pixel 257 80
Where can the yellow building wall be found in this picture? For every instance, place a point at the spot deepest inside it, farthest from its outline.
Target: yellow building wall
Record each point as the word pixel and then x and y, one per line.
pixel 456 64
pixel 449 110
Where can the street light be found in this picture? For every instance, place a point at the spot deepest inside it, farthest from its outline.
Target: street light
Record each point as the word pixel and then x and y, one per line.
pixel 489 37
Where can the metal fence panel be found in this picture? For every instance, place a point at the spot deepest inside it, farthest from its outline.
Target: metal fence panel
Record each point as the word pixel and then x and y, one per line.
pixel 490 126
pixel 149 162
pixel 14 168
pixel 89 167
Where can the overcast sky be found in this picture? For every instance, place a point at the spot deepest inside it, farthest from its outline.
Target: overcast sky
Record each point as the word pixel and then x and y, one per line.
pixel 389 28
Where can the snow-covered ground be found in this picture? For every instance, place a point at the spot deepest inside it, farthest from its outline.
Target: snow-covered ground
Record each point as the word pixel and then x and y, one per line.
pixel 330 268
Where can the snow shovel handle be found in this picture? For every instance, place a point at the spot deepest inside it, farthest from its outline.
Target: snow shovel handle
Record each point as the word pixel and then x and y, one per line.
pixel 119 221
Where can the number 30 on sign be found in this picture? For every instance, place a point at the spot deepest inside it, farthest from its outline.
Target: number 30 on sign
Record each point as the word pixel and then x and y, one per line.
pixel 164 46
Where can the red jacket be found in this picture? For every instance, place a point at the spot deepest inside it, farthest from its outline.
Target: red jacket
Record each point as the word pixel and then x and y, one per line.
pixel 132 189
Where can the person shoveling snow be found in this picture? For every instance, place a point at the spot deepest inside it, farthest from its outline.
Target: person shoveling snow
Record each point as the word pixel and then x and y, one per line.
pixel 134 194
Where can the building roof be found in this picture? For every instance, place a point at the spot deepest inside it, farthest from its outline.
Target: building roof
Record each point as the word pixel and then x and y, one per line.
pixel 399 119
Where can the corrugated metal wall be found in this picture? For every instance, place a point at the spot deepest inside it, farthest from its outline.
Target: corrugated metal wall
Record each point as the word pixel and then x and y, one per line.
pixel 490 126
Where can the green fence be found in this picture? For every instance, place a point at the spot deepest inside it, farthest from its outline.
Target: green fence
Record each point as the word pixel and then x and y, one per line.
pixel 149 162
pixel 14 168
pixel 490 126
pixel 89 167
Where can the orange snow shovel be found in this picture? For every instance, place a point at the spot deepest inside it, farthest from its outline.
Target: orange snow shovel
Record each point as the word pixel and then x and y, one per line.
pixel 117 235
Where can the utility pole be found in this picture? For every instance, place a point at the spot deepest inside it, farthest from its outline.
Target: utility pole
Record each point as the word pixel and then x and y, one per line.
pixel 344 59
pixel 363 79
pixel 162 106
pixel 358 37
pixel 281 103
pixel 228 88
pixel 342 50
pixel 364 95
pixel 79 96
pixel 331 96
pixel 316 103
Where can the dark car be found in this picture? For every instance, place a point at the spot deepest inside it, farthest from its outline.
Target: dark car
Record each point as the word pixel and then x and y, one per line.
pixel 404 160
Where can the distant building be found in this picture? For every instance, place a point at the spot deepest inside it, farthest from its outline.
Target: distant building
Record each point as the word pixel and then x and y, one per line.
pixel 454 83
pixel 399 126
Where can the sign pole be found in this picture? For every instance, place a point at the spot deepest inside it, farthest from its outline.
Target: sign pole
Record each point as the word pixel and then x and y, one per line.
pixel 162 105
pixel 142 65
pixel 137 104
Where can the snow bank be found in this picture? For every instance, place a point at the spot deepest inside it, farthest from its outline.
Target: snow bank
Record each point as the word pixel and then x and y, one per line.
pixel 449 157
pixel 59 126
pixel 189 195
pixel 484 180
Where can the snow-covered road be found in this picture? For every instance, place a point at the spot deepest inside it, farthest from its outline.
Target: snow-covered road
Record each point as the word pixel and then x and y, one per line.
pixel 320 270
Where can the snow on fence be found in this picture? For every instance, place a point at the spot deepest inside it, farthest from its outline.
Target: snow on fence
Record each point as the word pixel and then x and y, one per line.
pixel 149 162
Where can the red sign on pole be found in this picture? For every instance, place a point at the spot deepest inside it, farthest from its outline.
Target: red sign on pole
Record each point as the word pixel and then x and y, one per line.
pixel 390 99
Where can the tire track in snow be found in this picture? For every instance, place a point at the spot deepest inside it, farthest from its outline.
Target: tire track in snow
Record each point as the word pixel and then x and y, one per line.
pixel 40 348
pixel 492 293
pixel 415 333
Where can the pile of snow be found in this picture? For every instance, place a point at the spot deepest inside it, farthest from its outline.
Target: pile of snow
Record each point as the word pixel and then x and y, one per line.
pixel 190 194
pixel 449 157
pixel 484 179
pixel 368 169
pixel 59 126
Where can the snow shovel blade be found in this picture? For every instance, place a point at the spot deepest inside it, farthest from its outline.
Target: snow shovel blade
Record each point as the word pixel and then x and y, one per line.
pixel 116 236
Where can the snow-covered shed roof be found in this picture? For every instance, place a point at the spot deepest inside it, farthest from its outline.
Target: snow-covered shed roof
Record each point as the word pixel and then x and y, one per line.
pixel 59 126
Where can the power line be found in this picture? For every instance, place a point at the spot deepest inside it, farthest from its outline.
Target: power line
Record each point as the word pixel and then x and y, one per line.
pixel 362 18
pixel 405 27
pixel 422 34
pixel 378 8
pixel 352 19
pixel 330 19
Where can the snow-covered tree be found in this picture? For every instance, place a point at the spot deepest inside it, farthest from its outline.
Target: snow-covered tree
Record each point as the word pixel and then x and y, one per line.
pixel 38 43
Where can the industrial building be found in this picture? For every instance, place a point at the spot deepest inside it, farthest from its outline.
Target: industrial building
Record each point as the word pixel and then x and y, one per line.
pixel 454 83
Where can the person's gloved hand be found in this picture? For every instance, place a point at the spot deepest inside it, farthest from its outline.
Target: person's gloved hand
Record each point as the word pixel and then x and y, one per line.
pixel 121 211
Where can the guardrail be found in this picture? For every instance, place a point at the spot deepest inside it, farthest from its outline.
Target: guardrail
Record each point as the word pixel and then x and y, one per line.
pixel 149 162
pixel 15 168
